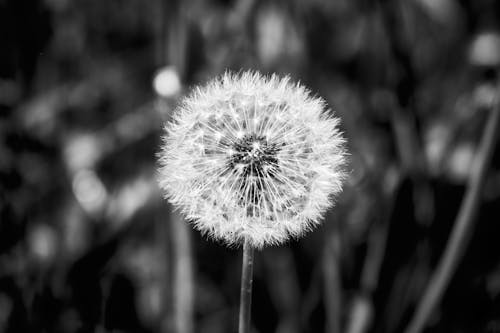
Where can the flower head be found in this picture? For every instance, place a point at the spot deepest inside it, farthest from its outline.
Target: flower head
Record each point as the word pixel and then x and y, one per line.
pixel 252 157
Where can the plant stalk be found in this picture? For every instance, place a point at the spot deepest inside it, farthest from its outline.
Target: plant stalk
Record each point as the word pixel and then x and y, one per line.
pixel 246 288
pixel 462 228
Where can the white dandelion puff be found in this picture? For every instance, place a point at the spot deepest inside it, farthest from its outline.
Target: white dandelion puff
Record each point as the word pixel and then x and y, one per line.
pixel 252 157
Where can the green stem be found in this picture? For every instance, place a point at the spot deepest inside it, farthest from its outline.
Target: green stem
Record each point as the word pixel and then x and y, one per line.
pixel 246 288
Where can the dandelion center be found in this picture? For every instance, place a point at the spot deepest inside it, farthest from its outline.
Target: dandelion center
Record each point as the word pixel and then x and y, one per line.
pixel 254 156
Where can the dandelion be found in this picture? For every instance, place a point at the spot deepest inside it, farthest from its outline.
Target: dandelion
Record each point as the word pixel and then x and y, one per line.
pixel 250 157
pixel 252 160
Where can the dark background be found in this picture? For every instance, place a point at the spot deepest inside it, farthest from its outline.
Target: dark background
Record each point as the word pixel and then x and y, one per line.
pixel 87 244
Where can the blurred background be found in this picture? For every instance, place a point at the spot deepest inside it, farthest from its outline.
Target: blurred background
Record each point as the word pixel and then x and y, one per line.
pixel 87 244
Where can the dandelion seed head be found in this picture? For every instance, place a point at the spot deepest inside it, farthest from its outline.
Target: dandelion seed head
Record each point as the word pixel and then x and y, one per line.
pixel 255 157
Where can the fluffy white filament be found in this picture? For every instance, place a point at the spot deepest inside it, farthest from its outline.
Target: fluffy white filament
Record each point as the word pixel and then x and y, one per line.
pixel 253 157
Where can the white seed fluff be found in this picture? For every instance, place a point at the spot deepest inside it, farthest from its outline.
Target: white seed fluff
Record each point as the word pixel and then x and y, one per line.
pixel 255 157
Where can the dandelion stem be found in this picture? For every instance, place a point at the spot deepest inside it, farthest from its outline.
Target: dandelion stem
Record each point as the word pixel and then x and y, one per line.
pixel 246 287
